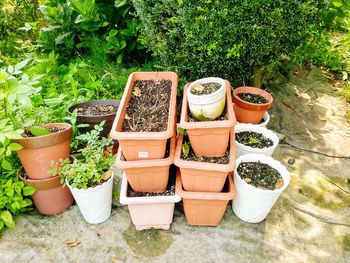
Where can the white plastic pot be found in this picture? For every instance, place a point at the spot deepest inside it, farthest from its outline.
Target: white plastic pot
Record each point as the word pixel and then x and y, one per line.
pixel 252 204
pixel 242 149
pixel 265 119
pixel 149 211
pixel 209 106
pixel 95 204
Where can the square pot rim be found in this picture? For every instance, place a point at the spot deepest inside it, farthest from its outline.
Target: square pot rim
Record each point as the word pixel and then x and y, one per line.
pixel 185 124
pixel 204 165
pixel 125 200
pixel 154 75
pixel 231 194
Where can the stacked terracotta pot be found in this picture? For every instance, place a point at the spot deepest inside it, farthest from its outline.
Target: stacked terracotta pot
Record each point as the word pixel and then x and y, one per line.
pixel 145 158
pixel 206 188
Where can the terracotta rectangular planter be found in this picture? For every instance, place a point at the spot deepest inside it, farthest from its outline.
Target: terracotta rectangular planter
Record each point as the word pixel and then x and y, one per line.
pixel 151 211
pixel 208 138
pixel 205 209
pixel 144 145
pixel 201 176
pixel 148 175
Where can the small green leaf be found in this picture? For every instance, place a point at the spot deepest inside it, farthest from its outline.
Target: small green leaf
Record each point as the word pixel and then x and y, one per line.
pixel 253 141
pixel 9 192
pixel 15 146
pixel 7 218
pixel 185 149
pixel 28 190
pixel 39 131
pixel 1 224
pixel 13 135
pixel 181 130
pixel 6 165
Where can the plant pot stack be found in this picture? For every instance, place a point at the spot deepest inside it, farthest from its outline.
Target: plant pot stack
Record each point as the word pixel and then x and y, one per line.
pixel 37 156
pixel 205 187
pixel 146 157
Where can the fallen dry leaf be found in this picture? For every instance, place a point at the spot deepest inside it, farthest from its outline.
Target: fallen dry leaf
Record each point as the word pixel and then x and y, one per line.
pixel 322 118
pixel 279 184
pixel 247 180
pixel 127 117
pixel 137 92
pixel 198 88
pixel 73 243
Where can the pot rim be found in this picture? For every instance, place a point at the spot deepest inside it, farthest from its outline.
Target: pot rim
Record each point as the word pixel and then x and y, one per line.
pixel 91 189
pixel 74 106
pixel 250 89
pixel 40 184
pixel 220 81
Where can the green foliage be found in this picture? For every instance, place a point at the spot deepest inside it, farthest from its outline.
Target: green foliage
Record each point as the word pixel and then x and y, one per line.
pixel 88 169
pixel 229 39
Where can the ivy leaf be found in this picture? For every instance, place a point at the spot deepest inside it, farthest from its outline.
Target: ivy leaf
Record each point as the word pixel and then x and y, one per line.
pixel 185 149
pixel 28 190
pixel 6 165
pixel 39 131
pixel 15 146
pixel 7 218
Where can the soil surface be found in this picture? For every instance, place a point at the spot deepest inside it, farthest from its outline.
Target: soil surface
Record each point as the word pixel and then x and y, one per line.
pixel 310 222
pixel 168 192
pixel 205 89
pixel 148 108
pixel 252 98
pixel 253 139
pixel 192 157
pixel 96 110
pixel 260 175
pixel 28 134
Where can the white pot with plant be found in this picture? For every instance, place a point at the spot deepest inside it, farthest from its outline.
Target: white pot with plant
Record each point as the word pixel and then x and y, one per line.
pixel 259 181
pixel 207 98
pixel 89 176
pixel 252 138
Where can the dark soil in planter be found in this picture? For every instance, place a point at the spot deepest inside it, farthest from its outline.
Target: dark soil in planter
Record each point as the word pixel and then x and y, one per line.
pixel 253 139
pixel 148 108
pixel 28 134
pixel 205 89
pixel 96 110
pixel 222 117
pixel 260 175
pixel 252 98
pixel 192 157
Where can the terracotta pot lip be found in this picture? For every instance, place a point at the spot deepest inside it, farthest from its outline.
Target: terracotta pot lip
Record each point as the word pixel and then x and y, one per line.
pixel 125 200
pixel 119 118
pixel 49 139
pixel 230 122
pixel 204 165
pixel 38 181
pixel 252 89
pixel 147 162
pixel 40 184
pixel 226 196
pixel 94 102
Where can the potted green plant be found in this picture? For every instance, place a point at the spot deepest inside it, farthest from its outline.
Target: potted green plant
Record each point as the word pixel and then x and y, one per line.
pixel 89 176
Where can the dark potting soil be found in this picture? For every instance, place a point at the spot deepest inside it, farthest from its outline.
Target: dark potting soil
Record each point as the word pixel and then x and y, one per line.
pixel 205 89
pixel 222 117
pixel 252 98
pixel 260 175
pixel 253 139
pixel 148 109
pixel 192 157
pixel 96 110
pixel 28 134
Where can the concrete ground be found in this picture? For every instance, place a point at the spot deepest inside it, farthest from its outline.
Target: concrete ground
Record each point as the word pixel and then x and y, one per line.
pixel 309 223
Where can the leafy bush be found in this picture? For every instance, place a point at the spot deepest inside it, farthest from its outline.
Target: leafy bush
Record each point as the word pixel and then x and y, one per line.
pixel 230 39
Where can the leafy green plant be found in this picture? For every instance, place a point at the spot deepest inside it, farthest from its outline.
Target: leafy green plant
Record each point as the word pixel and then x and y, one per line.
pixel 88 169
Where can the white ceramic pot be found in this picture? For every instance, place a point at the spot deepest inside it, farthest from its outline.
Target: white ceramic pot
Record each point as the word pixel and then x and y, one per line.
pixel 209 106
pixel 149 211
pixel 265 119
pixel 242 149
pixel 95 204
pixel 252 204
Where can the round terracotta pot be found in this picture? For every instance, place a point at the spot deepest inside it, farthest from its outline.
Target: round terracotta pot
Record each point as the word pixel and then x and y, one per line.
pixel 247 112
pixel 50 197
pixel 39 152
pixel 92 120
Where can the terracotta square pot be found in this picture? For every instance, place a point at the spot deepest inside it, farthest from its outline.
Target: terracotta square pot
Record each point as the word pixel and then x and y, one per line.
pixel 208 138
pixel 151 211
pixel 144 145
pixel 201 176
pixel 148 175
pixel 205 209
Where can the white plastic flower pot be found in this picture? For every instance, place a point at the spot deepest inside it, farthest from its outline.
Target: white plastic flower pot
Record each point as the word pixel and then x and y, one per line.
pixel 253 204
pixel 95 204
pixel 242 149
pixel 265 120
pixel 209 106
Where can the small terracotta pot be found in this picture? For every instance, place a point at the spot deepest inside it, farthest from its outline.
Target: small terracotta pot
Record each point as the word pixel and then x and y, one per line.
pixel 201 176
pixel 149 212
pixel 145 145
pixel 93 120
pixel 205 209
pixel 148 175
pixel 50 197
pixel 247 112
pixel 39 152
pixel 208 138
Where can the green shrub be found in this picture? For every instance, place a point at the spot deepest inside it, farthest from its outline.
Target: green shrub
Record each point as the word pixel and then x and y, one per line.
pixel 230 39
